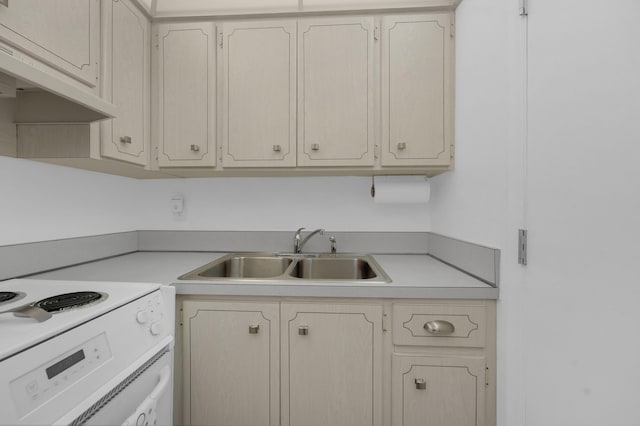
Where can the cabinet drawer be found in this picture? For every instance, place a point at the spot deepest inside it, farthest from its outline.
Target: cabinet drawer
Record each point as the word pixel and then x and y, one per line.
pixel 439 325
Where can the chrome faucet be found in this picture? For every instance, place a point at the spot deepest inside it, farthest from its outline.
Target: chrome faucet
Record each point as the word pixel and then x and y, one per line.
pixel 297 244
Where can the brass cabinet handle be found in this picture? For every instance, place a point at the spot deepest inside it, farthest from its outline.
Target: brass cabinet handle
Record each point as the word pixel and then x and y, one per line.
pixel 402 146
pixel 195 148
pixel 439 327
pixel 277 148
pixel 315 146
pixel 421 384
pixel 254 328
pixel 303 330
pixel 125 139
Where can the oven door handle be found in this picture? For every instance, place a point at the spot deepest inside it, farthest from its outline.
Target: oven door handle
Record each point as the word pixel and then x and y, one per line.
pixel 146 412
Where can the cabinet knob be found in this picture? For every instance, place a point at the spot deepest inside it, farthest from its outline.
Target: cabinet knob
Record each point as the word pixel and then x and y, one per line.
pixel 277 148
pixel 421 384
pixel 303 330
pixel 402 146
pixel 195 148
pixel 315 146
pixel 254 328
pixel 125 139
pixel 439 327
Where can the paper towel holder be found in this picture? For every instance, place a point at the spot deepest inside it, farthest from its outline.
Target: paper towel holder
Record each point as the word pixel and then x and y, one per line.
pixel 373 187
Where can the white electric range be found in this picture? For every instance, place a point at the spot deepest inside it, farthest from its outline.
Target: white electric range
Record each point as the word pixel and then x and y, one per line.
pixel 86 352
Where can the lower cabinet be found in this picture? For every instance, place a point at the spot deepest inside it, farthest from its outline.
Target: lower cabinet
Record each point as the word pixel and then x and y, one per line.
pixel 231 363
pixel 438 391
pixel 331 364
pixel 270 361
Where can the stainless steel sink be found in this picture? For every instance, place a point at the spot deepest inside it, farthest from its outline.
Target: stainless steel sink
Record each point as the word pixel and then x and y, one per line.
pixel 241 266
pixel 334 268
pixel 290 267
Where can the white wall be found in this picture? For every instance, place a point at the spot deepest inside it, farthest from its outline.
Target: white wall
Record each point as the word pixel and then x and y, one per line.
pixel 278 204
pixel 568 350
pixel 43 202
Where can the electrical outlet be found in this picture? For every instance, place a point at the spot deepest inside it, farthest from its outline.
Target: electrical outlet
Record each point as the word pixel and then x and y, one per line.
pixel 177 205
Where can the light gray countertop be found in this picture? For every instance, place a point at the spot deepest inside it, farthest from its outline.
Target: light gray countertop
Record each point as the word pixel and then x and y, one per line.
pixel 413 276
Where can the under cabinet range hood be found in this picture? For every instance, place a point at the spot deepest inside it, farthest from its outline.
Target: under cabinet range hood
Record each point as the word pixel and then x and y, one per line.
pixel 49 98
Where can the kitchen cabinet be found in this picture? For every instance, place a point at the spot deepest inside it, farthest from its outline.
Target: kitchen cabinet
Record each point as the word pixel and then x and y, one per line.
pixel 307 94
pixel 185 120
pixel 259 93
pixel 316 363
pixel 231 363
pixel 292 361
pixel 443 364
pixel 61 35
pixel 336 90
pixel 331 364
pixel 126 82
pixel 417 90
pixel 437 391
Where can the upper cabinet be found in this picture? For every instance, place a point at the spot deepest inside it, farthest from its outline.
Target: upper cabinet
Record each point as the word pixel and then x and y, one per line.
pixel 258 93
pixel 341 94
pixel 185 121
pixel 63 34
pixel 336 90
pixel 301 94
pixel 126 82
pixel 417 90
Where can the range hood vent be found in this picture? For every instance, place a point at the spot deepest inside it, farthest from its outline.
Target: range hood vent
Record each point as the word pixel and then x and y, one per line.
pixel 50 99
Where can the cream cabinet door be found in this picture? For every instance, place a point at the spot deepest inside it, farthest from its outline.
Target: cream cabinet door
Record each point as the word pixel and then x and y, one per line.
pixel 331 364
pixel 437 391
pixel 336 92
pixel 64 34
pixel 231 370
pixel 186 94
pixel 126 82
pixel 258 93
pixel 417 90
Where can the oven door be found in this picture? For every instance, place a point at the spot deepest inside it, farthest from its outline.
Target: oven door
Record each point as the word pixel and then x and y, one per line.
pixel 144 397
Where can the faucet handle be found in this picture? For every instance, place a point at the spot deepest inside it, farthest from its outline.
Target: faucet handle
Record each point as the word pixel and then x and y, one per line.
pixel 334 249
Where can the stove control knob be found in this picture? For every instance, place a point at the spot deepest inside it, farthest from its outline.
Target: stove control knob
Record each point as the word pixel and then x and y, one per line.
pixel 142 317
pixel 156 328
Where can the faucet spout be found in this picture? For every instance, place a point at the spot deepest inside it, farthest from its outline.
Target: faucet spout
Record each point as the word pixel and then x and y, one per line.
pixel 298 243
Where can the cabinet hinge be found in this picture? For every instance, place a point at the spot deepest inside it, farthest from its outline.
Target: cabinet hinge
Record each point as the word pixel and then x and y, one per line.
pixel 385 322
pixel 221 36
pixel 486 376
pixel 524 8
pixel 453 30
pixel 181 316
pixel 522 246
pixel 453 151
pixel 376 33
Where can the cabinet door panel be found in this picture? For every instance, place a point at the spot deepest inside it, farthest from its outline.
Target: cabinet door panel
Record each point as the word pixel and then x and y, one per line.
pixel 417 102
pixel 336 90
pixel 63 33
pixel 450 393
pixel 231 371
pixel 259 92
pixel 332 374
pixel 126 83
pixel 186 92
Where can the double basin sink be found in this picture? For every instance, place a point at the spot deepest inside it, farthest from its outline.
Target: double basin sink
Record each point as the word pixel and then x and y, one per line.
pixel 323 267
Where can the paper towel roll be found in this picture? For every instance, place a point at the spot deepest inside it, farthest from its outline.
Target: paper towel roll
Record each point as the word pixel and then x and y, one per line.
pixel 401 189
